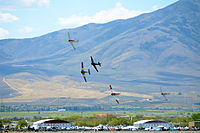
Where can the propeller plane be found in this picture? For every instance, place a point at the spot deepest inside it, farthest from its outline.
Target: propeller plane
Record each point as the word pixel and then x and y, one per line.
pixel 94 64
pixel 114 94
pixel 83 71
pixel 164 94
pixel 71 41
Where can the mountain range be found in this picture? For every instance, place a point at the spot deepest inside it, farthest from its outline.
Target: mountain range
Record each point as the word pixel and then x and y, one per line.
pixel 138 55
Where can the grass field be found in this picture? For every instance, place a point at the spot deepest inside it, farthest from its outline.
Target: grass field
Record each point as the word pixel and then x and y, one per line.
pixel 64 114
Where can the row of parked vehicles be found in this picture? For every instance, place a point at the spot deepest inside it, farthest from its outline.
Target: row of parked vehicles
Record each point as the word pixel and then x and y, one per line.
pixel 119 128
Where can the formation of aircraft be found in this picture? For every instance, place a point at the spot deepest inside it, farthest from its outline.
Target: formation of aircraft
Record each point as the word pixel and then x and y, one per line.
pixel 164 94
pixel 95 64
pixel 114 94
pixel 92 63
pixel 71 41
pixel 83 71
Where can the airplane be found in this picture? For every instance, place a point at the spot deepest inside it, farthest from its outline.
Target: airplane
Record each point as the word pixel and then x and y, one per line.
pixel 71 41
pixel 164 94
pixel 114 94
pixel 83 72
pixel 94 64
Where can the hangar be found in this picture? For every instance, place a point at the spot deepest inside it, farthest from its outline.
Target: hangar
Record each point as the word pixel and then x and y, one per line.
pixel 153 124
pixel 49 124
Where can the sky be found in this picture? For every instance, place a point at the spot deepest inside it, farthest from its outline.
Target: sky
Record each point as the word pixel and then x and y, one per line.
pixel 31 18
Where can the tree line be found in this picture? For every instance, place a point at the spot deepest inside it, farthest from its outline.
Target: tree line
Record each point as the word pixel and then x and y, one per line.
pixel 112 120
pixel 109 119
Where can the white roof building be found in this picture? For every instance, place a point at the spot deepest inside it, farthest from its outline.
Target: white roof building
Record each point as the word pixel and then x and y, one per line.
pixel 48 124
pixel 153 124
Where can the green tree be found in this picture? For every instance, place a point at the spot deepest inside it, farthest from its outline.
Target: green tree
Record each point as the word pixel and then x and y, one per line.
pixel 22 123
pixel 6 121
pixel 103 121
pixel 196 116
pixel 80 123
pixel 113 122
pixel 96 122
pixel 137 118
pixel 111 117
pixel 17 127
pixel 1 124
pixel 92 123
pixel 123 121
pixel 73 118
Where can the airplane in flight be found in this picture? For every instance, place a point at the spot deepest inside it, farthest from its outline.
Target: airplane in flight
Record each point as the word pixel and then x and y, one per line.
pixel 83 71
pixel 94 64
pixel 71 41
pixel 114 94
pixel 164 94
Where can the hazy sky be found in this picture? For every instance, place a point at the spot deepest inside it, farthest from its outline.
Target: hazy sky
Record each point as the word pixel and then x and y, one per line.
pixel 32 18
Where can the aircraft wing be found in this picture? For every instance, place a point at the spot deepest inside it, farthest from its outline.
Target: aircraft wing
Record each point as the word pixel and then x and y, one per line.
pixel 84 77
pixel 110 87
pixel 92 59
pixel 165 97
pixel 72 45
pixel 116 99
pixel 82 66
pixel 95 68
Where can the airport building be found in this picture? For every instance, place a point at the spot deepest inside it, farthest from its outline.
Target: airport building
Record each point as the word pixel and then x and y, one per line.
pixel 153 124
pixel 50 124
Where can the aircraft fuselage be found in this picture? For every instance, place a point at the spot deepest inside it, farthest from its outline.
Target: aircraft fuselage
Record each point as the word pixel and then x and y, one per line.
pixel 72 41
pixel 164 94
pixel 114 94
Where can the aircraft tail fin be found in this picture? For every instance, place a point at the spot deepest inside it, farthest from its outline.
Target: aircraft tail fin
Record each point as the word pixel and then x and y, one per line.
pixel 99 64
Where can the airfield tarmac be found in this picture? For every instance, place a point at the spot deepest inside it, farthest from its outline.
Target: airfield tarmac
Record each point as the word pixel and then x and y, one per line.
pixel 118 132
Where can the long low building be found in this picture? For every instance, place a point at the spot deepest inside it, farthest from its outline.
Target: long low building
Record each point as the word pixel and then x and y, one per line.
pixel 48 124
pixel 153 124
